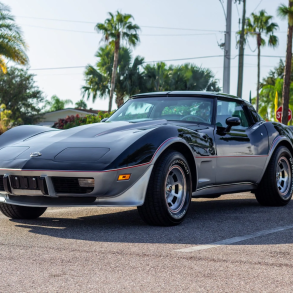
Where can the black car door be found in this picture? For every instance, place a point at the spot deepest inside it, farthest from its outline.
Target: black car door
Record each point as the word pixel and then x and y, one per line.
pixel 242 152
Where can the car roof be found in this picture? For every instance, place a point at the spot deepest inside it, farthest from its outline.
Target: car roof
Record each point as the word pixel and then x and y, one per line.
pixel 185 94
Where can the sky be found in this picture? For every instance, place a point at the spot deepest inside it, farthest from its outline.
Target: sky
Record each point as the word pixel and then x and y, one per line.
pixel 195 28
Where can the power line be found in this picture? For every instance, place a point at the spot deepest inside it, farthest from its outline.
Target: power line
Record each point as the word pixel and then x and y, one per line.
pixel 145 35
pixel 81 73
pixel 146 26
pixel 167 60
pixel 152 27
pixel 257 5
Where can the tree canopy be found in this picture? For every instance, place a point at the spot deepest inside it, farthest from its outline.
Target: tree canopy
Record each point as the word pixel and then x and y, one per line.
pixel 56 103
pixel 271 85
pixel 12 44
pixel 21 96
pixel 115 29
pixel 134 77
pixel 258 26
pixel 81 104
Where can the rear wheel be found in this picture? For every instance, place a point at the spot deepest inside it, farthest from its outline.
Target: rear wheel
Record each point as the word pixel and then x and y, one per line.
pixel 21 212
pixel 169 191
pixel 276 186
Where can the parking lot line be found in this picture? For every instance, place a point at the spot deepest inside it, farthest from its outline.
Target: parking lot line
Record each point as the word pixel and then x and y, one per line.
pixel 234 239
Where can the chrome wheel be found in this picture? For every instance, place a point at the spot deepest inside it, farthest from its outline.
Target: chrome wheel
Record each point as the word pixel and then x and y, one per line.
pixel 283 177
pixel 175 189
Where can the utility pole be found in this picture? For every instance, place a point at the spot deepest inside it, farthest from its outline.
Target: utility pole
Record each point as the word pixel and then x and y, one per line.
pixel 227 49
pixel 241 53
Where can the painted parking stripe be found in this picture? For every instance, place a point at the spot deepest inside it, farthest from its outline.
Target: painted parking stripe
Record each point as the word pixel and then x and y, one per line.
pixel 235 239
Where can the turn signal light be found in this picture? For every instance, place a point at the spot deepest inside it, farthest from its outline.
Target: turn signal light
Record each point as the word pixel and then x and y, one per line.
pixel 124 177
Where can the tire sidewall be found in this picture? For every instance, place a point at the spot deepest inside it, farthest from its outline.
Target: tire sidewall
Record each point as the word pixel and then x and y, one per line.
pixel 176 159
pixel 284 152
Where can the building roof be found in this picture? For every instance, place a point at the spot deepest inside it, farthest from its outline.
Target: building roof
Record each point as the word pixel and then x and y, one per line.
pixel 90 111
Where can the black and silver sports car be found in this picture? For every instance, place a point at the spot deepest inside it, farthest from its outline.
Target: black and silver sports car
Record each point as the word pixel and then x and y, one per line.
pixel 156 152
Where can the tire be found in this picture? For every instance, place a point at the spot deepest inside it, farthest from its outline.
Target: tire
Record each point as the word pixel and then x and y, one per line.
pixel 169 191
pixel 274 189
pixel 21 212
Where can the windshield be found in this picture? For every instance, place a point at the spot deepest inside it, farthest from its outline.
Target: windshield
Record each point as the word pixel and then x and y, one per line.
pixel 197 110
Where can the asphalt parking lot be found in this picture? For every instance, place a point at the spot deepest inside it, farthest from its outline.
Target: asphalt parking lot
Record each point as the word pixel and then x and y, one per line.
pixel 229 244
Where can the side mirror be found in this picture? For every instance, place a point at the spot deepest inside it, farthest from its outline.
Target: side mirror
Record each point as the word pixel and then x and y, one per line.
pixel 104 120
pixel 232 121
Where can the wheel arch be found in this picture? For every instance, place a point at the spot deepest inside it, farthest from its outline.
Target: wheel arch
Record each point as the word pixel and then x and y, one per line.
pixel 181 146
pixel 278 141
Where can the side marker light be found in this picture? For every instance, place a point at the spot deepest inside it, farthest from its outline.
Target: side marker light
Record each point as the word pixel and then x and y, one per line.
pixel 124 177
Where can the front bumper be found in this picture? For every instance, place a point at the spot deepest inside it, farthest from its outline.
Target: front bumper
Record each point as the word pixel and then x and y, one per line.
pixel 107 191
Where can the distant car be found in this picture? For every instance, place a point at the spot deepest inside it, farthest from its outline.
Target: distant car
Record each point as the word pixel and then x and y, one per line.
pixel 156 152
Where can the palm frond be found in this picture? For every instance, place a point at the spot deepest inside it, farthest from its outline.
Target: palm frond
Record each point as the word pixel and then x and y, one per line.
pixel 12 44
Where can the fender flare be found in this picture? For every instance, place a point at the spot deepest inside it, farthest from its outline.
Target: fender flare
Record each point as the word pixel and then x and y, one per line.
pixel 169 142
pixel 276 142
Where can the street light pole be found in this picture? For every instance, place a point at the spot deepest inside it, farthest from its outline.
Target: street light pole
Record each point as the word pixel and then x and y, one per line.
pixel 227 49
pixel 241 54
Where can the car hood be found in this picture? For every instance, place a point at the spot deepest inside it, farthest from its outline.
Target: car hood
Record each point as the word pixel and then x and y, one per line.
pixel 88 143
pixel 94 146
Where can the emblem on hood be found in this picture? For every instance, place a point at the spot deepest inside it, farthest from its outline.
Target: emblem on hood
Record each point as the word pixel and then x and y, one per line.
pixel 35 154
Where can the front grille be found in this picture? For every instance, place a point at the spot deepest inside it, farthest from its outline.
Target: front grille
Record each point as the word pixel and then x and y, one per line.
pixel 69 185
pixel 1 183
pixel 29 183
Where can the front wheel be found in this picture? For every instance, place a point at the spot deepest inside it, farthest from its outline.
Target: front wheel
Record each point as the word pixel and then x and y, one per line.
pixel 169 191
pixel 276 186
pixel 21 212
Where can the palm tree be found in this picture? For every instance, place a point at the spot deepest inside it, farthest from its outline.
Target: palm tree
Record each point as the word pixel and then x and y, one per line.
pixel 267 98
pixel 81 104
pixel 287 12
pixel 56 104
pixel 129 80
pixel 186 77
pixel 157 76
pixel 258 26
pixel 116 29
pixel 12 44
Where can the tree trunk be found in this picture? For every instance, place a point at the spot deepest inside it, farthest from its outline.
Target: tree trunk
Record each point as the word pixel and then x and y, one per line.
pixel 258 76
pixel 114 72
pixel 287 74
pixel 241 54
pixel 119 101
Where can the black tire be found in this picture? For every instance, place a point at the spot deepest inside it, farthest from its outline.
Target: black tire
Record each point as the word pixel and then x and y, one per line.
pixel 159 209
pixel 21 212
pixel 268 193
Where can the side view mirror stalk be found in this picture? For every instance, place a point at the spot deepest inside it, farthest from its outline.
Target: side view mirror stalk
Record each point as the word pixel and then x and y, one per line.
pixel 231 121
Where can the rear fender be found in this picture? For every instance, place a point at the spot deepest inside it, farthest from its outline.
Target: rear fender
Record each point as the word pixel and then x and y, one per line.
pixel 279 140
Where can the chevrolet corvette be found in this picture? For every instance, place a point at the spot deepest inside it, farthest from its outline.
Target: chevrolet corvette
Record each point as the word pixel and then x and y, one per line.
pixel 155 153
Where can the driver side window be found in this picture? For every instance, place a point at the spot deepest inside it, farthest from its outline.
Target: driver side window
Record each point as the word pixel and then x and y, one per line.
pixel 226 109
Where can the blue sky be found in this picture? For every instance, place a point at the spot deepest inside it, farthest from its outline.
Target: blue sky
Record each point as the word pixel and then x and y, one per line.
pixel 68 44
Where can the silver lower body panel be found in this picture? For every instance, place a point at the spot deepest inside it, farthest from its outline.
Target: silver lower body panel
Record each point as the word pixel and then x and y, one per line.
pixel 224 189
pixel 132 196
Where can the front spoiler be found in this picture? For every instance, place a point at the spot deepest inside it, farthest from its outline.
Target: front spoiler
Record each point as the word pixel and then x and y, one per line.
pixel 133 196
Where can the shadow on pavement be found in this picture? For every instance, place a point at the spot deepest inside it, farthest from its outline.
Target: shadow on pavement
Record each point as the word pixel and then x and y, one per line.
pixel 207 222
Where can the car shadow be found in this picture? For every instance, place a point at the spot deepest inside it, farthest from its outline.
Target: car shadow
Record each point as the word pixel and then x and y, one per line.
pixel 208 221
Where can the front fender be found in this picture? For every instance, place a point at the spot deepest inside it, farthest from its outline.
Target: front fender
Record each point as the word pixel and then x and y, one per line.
pixel 20 133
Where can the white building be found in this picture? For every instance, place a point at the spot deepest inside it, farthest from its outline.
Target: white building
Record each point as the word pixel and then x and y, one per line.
pixel 49 118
